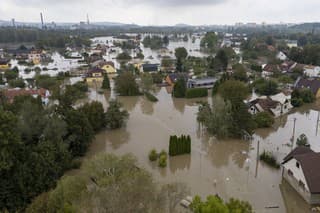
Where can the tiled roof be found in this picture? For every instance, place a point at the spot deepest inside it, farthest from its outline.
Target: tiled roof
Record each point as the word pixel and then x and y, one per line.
pixel 312 84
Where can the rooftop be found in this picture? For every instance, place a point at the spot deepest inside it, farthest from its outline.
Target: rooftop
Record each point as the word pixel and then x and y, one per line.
pixel 310 164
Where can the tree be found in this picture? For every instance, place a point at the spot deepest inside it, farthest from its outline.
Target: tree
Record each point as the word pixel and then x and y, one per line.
pixel 234 91
pixel 263 119
pixel 95 113
pixel 179 65
pixel 124 56
pixel 181 53
pixel 11 75
pixel 105 82
pixel 107 175
pixel 179 88
pixel 265 87
pixel 17 83
pixel 302 140
pixel 218 119
pixel 125 84
pixel 240 73
pixel 154 42
pixel 79 131
pixel 214 204
pixel 269 40
pixel 209 41
pixel 238 206
pixel 299 97
pixel 115 117
pixel 220 61
pixel 146 82
pixel 10 140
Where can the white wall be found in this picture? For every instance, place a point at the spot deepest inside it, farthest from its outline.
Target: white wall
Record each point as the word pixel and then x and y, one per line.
pixel 297 172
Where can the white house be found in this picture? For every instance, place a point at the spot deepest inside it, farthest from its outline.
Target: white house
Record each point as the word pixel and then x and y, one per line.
pixel 281 56
pixel 277 105
pixel 311 71
pixel 301 169
pixel 284 103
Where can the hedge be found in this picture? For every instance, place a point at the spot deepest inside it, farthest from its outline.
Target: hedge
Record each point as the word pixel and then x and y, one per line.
pixel 197 93
pixel 151 97
pixel 269 159
pixel 179 145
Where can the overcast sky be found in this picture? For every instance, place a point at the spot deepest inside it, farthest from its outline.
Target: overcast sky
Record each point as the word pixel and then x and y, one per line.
pixel 163 12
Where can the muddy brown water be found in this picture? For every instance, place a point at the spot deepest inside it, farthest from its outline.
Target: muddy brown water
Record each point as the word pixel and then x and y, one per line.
pixel 228 168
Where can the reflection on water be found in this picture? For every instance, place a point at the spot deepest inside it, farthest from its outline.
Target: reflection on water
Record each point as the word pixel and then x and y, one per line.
pixel 229 168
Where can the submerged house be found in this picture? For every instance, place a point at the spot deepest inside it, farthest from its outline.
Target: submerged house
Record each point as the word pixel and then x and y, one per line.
pixel 172 78
pixel 309 83
pixel 151 68
pixel 94 75
pixel 4 63
pixel 269 70
pixel 44 94
pixel 277 105
pixel 301 169
pixel 202 83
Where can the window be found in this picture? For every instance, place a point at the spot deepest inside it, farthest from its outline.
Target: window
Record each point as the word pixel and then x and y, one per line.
pixel 297 165
pixel 290 173
pixel 301 184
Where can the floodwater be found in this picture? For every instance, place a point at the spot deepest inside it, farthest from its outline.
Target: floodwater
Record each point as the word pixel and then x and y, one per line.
pixel 58 64
pixel 152 56
pixel 228 168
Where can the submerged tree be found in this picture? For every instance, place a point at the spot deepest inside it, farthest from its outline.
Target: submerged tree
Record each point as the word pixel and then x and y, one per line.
pixel 105 82
pixel 115 116
pixel 126 84
pixel 302 140
pixel 180 88
pixel 218 119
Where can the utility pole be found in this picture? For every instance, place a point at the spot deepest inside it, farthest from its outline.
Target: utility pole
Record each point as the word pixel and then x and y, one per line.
pixel 293 132
pixel 317 127
pixel 258 156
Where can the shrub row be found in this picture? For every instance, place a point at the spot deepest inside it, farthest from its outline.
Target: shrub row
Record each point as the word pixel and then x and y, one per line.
pixel 179 145
pixel 197 93
pixel 151 97
pixel 269 159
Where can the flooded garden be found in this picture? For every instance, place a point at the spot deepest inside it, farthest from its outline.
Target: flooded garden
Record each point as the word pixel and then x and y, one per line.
pixel 228 168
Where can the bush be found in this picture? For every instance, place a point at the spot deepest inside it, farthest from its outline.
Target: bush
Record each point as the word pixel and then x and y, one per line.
pixel 153 155
pixel 302 140
pixel 81 86
pixel 197 93
pixel 157 78
pixel 162 161
pixel 263 120
pixel 299 97
pixel 296 102
pixel 151 97
pixel 163 152
pixel 124 56
pixel 269 159
pixel 17 83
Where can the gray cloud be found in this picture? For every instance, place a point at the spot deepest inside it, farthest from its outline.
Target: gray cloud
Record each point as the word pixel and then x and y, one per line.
pixel 163 12
pixel 128 3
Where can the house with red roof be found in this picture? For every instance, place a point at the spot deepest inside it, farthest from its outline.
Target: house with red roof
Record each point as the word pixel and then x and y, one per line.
pixel 10 94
